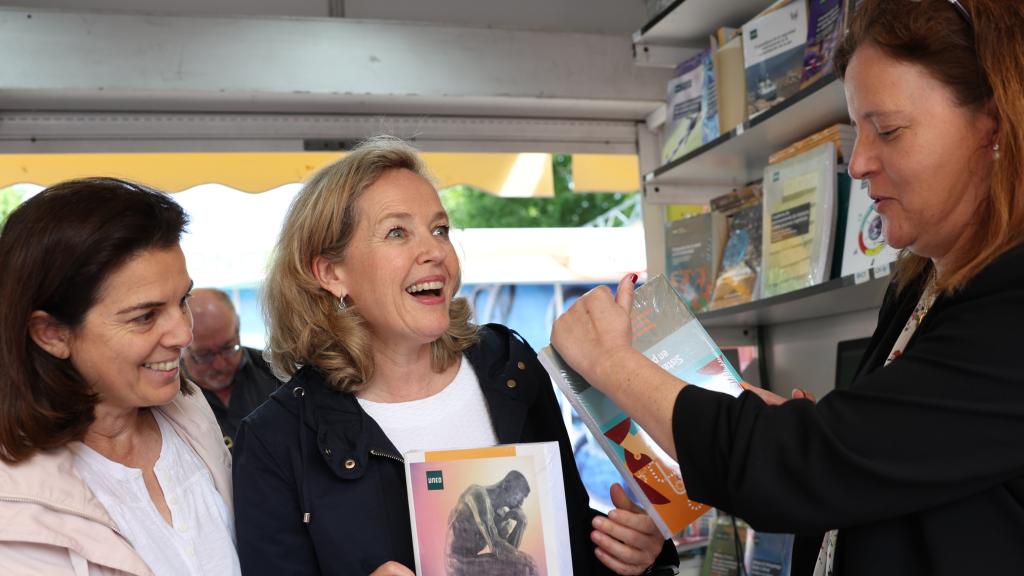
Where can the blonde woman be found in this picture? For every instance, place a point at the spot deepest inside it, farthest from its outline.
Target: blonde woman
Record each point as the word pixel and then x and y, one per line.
pixel 362 312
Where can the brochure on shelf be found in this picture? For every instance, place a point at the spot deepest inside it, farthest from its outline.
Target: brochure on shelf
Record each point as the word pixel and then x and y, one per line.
pixel 798 221
pixel 684 121
pixel 773 55
pixel 737 281
pixel 730 78
pixel 693 251
pixel 665 331
pixel 864 246
pixel 724 555
pixel 769 554
pixel 490 510
pixel 824 33
pixel 709 97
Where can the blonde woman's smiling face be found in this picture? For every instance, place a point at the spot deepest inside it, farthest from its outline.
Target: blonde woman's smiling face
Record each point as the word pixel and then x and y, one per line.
pixel 400 268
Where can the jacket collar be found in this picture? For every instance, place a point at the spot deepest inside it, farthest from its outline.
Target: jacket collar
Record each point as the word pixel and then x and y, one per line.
pixel 346 437
pixel 49 479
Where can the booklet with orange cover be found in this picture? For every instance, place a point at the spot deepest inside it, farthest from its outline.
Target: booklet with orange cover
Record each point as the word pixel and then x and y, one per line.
pixel 667 333
pixel 494 510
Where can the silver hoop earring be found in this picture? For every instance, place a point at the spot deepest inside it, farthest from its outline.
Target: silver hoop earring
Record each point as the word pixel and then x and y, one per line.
pixel 342 306
pixel 995 151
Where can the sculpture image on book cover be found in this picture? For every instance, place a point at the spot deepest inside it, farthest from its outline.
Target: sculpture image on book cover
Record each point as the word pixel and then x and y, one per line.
pixel 666 332
pixel 496 511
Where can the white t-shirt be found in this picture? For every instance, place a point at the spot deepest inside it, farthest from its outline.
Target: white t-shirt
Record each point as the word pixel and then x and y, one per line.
pixel 455 417
pixel 201 540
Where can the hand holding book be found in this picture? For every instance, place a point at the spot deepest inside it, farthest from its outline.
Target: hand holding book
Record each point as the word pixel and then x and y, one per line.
pixel 626 397
pixel 594 337
pixel 595 331
pixel 628 541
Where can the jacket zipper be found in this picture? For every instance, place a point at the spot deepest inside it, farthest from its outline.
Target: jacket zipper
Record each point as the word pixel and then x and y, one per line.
pixel 60 509
pixel 386 455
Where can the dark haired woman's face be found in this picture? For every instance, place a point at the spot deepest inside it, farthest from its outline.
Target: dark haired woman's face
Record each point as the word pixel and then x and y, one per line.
pixel 130 343
pixel 928 161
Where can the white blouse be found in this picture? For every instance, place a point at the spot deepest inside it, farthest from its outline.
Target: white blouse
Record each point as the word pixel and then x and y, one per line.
pixel 199 542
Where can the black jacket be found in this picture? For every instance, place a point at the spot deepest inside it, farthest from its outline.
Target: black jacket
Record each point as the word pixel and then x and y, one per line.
pixel 251 386
pixel 920 465
pixel 347 475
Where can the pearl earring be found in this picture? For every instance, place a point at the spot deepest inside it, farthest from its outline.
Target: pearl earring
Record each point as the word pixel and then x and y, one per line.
pixel 995 151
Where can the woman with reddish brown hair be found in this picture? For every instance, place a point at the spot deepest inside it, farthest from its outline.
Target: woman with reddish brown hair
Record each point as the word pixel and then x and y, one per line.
pixel 109 462
pixel 918 468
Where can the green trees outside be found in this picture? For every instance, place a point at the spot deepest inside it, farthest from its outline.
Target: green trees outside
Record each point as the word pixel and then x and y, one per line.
pixel 471 208
pixel 10 198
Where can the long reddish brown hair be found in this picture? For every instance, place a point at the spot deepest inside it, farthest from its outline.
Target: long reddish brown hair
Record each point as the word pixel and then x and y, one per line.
pixel 981 62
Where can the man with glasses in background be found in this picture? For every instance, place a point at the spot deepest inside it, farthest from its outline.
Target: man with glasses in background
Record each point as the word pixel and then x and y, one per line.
pixel 234 379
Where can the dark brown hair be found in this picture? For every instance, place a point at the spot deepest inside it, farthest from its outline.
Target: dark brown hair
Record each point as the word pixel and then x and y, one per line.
pixel 56 251
pixel 980 62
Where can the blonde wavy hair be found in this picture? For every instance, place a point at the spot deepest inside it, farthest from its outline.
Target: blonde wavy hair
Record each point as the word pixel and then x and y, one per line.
pixel 303 319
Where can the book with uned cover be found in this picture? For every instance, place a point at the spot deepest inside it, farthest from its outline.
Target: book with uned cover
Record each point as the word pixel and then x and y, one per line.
pixel 799 221
pixel 864 246
pixel 667 333
pixel 693 251
pixel 494 510
pixel 773 54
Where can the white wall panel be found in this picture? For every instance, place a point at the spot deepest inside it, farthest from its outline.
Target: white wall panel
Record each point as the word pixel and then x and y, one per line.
pixel 115 61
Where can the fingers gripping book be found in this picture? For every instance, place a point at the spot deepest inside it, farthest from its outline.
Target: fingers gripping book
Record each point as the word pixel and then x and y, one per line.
pixel 667 333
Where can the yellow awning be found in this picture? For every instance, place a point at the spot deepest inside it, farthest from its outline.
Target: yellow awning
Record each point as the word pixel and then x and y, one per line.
pixel 605 173
pixel 500 174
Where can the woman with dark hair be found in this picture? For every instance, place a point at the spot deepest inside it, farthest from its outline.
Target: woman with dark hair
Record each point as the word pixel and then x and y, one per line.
pixel 918 468
pixel 361 307
pixel 109 463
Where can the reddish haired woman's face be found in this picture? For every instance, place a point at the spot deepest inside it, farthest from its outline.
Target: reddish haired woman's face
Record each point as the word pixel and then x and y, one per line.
pixel 129 345
pixel 927 160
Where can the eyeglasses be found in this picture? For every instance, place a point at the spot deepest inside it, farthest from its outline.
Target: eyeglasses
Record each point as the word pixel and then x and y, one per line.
pixel 960 9
pixel 228 351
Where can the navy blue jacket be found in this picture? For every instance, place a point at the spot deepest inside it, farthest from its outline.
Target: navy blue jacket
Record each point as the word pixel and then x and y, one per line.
pixel 342 469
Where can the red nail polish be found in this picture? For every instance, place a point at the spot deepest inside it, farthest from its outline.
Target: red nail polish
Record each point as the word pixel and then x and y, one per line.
pixel 635 278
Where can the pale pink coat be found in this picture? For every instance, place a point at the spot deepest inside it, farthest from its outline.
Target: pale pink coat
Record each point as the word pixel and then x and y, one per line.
pixel 52 524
